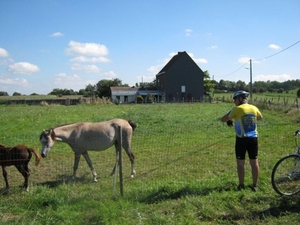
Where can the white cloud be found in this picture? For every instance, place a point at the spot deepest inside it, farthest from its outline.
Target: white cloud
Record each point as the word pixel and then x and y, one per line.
pixel 109 74
pixel 213 47
pixel 279 78
pixel 84 59
pixel 86 49
pixel 273 46
pixel 145 78
pixel 86 68
pixel 188 32
pixel 208 35
pixel 199 60
pixel 3 52
pixel 155 69
pixel 18 82
pixel 244 59
pixel 74 82
pixel 23 68
pixel 6 61
pixel 87 53
pixel 57 34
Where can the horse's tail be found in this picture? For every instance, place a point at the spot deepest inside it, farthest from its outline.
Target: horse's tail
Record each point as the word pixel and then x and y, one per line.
pixel 37 155
pixel 132 124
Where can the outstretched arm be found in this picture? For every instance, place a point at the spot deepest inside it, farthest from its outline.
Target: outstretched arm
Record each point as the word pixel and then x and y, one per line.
pixel 225 118
pixel 259 116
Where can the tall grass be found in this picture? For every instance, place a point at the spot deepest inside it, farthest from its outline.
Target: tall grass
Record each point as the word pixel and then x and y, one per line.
pixel 186 172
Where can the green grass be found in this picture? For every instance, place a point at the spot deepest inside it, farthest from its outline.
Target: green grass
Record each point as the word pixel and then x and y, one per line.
pixel 186 172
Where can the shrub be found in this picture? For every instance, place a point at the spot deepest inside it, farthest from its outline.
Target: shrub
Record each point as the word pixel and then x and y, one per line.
pixel 139 99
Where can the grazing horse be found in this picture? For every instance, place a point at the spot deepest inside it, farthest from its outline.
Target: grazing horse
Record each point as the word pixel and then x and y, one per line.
pixel 84 136
pixel 19 156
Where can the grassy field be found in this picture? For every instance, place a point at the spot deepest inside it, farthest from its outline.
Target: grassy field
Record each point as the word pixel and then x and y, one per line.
pixel 186 172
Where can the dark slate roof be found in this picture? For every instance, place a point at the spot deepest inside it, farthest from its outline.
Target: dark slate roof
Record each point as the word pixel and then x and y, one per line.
pixel 172 61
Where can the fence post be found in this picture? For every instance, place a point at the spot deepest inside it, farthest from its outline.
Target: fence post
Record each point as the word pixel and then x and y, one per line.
pixel 120 162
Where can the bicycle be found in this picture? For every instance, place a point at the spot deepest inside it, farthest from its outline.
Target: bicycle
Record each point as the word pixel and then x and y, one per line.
pixel 286 172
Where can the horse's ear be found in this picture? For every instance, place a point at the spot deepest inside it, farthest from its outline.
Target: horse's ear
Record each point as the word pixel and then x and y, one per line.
pixel 42 134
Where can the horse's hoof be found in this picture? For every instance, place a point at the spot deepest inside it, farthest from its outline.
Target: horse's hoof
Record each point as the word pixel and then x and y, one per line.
pixel 131 176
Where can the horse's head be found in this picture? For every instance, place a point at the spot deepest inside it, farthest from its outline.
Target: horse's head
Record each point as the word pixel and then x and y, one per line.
pixel 47 138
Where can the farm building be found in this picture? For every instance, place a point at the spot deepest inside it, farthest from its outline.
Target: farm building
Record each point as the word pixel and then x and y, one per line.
pixel 130 94
pixel 181 79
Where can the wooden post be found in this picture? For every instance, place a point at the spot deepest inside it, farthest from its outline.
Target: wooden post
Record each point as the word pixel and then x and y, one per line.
pixel 120 163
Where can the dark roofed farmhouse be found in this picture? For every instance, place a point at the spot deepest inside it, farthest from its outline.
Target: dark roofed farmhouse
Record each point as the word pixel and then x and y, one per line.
pixel 181 79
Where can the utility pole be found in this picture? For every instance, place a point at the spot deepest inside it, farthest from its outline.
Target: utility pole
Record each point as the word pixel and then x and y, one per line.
pixel 251 79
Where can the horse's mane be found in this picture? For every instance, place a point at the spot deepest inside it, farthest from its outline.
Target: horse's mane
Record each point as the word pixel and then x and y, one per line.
pixel 68 124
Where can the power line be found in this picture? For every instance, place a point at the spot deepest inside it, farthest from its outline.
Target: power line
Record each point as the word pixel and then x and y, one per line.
pixel 261 59
pixel 235 70
pixel 277 52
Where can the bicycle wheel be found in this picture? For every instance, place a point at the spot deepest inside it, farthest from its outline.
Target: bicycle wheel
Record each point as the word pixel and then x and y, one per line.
pixel 286 175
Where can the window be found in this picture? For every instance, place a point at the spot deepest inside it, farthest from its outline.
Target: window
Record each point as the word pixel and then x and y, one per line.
pixel 182 89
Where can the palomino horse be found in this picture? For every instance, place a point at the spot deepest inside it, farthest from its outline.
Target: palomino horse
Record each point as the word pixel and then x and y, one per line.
pixel 84 136
pixel 19 156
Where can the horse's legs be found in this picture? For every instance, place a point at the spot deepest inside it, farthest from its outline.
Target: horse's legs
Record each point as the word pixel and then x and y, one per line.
pixel 5 176
pixel 117 159
pixel 89 162
pixel 75 167
pixel 126 146
pixel 24 170
pixel 131 157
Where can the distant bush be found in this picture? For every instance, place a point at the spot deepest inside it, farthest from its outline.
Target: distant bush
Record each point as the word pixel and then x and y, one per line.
pixel 16 94
pixel 139 99
pixel 3 93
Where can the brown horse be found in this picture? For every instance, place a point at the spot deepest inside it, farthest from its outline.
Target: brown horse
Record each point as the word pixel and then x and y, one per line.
pixel 84 136
pixel 19 156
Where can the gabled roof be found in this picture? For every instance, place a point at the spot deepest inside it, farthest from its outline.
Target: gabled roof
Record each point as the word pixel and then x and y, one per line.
pixel 172 61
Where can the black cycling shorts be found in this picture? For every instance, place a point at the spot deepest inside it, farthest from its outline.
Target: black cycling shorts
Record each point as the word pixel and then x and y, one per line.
pixel 243 145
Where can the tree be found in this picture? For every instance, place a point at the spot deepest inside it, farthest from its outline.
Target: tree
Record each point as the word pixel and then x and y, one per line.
pixel 16 94
pixel 90 91
pixel 81 92
pixel 103 87
pixel 240 85
pixel 209 86
pixel 3 93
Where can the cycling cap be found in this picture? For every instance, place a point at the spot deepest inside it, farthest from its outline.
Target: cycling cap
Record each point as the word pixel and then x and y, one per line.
pixel 243 94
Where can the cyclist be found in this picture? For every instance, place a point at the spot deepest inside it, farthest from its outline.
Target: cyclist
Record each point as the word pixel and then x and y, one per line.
pixel 245 117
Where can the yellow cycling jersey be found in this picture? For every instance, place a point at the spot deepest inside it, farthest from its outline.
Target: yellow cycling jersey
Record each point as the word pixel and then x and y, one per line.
pixel 245 120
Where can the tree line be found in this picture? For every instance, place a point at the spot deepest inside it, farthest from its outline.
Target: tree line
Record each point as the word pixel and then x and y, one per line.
pixel 102 88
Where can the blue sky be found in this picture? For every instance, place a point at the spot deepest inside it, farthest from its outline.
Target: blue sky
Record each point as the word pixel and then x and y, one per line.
pixel 72 43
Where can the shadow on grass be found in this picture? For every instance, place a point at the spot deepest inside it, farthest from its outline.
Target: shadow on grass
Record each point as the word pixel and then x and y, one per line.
pixel 12 190
pixel 63 179
pixel 164 193
pixel 279 206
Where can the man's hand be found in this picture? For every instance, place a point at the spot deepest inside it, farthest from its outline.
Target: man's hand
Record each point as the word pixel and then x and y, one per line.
pixel 229 123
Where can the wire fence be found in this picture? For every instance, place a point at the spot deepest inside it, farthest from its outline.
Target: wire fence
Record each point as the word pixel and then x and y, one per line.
pixel 180 154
